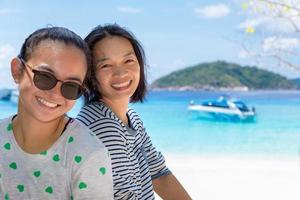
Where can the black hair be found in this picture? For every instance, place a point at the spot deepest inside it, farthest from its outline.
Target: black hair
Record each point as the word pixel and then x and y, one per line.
pixel 59 34
pixel 101 32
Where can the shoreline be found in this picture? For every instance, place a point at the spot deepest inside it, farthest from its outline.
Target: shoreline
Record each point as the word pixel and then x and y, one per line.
pixel 219 90
pixel 232 177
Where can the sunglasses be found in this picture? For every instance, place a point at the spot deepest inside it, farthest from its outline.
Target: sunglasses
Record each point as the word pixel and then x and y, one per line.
pixel 46 81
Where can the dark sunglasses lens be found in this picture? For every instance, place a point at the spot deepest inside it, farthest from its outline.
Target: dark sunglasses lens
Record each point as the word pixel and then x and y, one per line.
pixel 71 91
pixel 44 80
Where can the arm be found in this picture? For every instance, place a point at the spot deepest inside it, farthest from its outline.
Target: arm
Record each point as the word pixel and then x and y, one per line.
pixel 168 187
pixel 164 182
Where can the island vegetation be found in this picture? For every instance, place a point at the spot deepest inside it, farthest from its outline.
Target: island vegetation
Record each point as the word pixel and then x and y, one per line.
pixel 221 75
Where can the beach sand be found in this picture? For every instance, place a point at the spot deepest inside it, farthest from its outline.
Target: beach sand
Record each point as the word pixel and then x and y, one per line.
pixel 237 178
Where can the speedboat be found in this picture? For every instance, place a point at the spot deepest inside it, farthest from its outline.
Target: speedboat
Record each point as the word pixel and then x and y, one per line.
pixel 225 108
pixel 5 94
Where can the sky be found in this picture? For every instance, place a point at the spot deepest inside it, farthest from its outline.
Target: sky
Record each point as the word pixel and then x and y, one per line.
pixel 175 34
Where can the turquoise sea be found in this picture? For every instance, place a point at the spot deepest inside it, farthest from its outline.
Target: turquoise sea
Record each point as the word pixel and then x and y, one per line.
pixel 174 129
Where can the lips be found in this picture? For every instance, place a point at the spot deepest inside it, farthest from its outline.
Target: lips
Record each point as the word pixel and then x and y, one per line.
pixel 121 86
pixel 47 103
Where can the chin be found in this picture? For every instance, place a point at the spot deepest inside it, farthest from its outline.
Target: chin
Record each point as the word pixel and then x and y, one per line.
pixel 42 117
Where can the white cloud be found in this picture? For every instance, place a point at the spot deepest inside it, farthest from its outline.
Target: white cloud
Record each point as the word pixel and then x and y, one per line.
pixel 213 11
pixel 273 17
pixel 271 24
pixel 276 43
pixel 255 22
pixel 127 9
pixel 7 52
pixel 282 25
pixel 7 11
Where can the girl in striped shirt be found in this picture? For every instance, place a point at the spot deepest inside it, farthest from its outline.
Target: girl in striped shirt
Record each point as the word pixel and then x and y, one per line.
pixel 118 78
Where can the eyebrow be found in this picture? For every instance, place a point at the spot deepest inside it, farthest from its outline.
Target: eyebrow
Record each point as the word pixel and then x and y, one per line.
pixel 46 68
pixel 129 53
pixel 104 59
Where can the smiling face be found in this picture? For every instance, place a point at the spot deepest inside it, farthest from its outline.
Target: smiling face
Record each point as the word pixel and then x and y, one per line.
pixel 65 62
pixel 117 69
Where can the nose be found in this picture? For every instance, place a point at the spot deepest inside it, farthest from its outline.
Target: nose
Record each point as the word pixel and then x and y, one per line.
pixel 56 90
pixel 120 71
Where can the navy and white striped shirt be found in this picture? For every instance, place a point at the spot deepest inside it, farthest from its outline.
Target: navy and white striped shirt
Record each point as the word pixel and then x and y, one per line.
pixel 135 161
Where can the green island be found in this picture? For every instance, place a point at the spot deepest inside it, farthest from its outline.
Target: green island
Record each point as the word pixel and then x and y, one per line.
pixel 221 75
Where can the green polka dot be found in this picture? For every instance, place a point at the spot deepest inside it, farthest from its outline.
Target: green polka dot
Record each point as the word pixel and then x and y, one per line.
pixel 56 158
pixel 13 165
pixel 37 174
pixel 21 188
pixel 82 185
pixel 102 170
pixel 49 190
pixel 0 175
pixel 7 146
pixel 9 127
pixel 71 197
pixel 6 197
pixel 78 159
pixel 43 153
pixel 71 139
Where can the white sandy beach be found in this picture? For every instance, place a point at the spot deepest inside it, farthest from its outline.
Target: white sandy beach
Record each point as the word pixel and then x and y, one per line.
pixel 233 178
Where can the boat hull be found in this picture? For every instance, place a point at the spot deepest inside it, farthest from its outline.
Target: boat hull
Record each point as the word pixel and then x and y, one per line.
pixel 222 113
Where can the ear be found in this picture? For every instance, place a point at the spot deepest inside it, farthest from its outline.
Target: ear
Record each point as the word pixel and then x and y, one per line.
pixel 16 69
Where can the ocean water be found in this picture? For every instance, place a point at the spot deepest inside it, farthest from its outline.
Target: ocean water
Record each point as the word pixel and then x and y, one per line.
pixel 174 129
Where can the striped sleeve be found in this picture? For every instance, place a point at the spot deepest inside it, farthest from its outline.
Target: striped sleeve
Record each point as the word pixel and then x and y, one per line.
pixel 156 161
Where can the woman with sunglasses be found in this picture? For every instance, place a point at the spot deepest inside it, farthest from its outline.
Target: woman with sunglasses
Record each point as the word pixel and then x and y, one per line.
pixel 45 154
pixel 118 77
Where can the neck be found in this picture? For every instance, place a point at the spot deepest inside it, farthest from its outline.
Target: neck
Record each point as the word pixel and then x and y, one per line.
pixel 119 107
pixel 34 136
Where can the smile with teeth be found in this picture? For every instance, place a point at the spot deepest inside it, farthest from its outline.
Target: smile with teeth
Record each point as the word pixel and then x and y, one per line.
pixel 121 85
pixel 47 103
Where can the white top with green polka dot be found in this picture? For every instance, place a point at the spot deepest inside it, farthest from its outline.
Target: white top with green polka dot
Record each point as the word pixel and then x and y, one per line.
pixel 77 166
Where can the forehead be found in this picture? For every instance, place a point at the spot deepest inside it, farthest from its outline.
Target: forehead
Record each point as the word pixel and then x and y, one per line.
pixel 112 45
pixel 60 57
pixel 47 45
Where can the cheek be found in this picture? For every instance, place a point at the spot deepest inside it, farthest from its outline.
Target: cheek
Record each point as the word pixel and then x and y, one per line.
pixel 102 78
pixel 70 104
